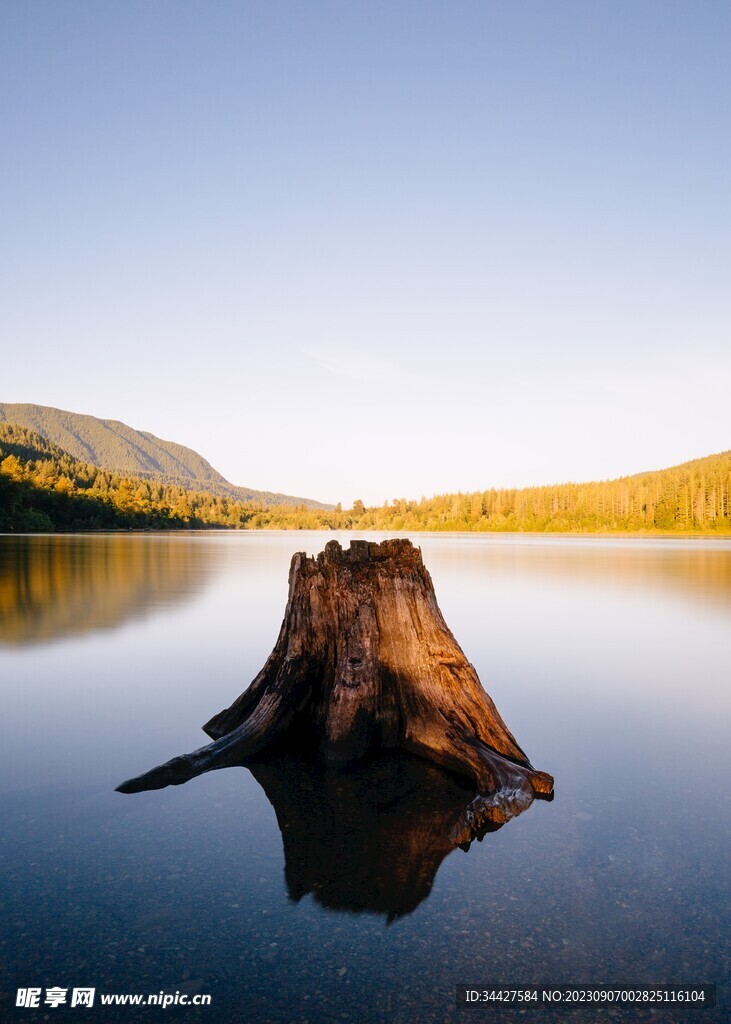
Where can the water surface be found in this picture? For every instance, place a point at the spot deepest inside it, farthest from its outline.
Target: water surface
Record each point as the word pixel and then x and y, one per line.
pixel 608 659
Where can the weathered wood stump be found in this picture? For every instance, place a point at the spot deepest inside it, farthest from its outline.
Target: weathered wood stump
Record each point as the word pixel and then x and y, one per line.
pixel 364 662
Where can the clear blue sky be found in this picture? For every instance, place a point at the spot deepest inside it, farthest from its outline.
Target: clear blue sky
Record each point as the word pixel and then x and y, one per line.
pixel 374 249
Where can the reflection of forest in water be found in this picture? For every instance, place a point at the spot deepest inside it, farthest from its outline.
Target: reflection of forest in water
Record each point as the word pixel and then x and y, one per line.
pixel 58 586
pixel 54 586
pixel 693 570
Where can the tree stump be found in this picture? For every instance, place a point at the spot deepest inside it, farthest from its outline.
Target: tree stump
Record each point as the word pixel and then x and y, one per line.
pixel 365 662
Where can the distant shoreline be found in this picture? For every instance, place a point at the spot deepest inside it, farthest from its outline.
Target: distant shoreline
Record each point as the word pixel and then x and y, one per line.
pixel 44 489
pixel 228 531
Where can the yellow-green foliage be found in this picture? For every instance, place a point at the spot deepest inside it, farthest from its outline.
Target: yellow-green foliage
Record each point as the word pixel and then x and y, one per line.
pixel 43 488
pixel 692 498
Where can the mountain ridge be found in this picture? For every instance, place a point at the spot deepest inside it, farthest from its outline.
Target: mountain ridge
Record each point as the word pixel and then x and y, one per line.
pixel 114 445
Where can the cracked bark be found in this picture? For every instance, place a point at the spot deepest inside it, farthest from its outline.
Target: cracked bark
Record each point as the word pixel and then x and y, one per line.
pixel 365 662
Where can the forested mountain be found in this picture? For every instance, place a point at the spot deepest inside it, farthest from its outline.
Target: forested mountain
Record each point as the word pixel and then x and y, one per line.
pixel 42 487
pixel 110 444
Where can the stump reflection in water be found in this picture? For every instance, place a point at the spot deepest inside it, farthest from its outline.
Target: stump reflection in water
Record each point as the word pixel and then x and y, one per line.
pixel 368 837
pixel 370 733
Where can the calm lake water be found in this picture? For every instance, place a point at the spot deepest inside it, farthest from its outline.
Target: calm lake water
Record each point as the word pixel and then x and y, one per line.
pixel 610 662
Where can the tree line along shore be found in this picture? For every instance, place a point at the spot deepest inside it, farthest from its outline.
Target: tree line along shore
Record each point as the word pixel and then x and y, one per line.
pixel 45 489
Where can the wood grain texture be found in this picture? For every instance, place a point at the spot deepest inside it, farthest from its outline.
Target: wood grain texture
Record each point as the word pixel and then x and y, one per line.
pixel 365 662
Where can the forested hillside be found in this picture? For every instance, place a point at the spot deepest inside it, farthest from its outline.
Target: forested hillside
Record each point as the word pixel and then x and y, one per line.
pixel 112 445
pixel 43 487
pixel 694 497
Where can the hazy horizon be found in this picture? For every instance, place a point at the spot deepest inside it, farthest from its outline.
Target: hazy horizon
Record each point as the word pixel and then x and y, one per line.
pixel 374 250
